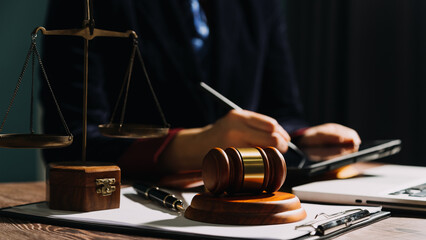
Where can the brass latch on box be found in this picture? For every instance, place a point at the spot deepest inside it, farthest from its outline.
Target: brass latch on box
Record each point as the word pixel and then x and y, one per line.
pixel 105 186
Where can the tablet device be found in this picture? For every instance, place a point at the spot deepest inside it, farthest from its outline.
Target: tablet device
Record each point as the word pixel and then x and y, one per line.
pixel 310 161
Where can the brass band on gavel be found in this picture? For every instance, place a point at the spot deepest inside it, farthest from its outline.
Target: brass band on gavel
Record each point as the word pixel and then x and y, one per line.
pixel 243 170
pixel 254 169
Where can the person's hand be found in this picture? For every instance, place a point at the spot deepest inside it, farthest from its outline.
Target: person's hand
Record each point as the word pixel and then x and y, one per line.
pixel 242 128
pixel 329 134
pixel 239 128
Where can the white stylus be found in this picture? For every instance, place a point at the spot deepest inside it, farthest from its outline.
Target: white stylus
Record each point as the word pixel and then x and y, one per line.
pixel 236 107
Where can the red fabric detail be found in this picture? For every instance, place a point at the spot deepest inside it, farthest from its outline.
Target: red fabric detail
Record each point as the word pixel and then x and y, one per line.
pixel 140 159
pixel 299 132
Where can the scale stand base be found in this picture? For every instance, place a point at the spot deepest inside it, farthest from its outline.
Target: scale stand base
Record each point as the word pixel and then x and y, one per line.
pixel 274 208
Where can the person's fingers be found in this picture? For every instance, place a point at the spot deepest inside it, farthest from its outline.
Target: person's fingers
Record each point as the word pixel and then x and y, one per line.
pixel 320 139
pixel 283 133
pixel 260 138
pixel 330 133
pixel 239 129
pixel 345 134
pixel 264 123
pixel 350 136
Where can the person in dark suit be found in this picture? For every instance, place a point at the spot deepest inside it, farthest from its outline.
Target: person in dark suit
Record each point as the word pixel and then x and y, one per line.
pixel 240 50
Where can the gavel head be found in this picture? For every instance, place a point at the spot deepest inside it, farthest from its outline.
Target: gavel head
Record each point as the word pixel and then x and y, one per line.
pixel 243 170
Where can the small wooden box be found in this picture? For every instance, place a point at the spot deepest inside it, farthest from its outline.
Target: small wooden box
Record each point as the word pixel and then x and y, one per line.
pixel 83 186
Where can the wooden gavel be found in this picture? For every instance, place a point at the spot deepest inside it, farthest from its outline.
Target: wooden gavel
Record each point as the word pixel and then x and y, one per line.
pixel 243 170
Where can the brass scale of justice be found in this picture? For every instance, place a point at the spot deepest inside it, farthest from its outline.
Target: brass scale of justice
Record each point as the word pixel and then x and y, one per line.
pixel 82 185
pixel 277 207
pixel 120 130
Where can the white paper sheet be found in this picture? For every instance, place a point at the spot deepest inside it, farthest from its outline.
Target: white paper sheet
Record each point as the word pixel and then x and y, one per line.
pixel 138 212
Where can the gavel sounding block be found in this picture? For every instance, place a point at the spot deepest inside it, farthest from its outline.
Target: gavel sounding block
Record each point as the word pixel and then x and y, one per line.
pixel 263 209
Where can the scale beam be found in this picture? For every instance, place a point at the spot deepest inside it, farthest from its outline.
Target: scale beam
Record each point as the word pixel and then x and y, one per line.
pixel 85 33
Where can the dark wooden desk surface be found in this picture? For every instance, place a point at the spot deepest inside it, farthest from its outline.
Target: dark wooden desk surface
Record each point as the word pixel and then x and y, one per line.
pixel 12 194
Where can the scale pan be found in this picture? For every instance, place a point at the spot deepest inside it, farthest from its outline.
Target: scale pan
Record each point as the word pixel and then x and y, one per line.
pixel 132 130
pixel 34 141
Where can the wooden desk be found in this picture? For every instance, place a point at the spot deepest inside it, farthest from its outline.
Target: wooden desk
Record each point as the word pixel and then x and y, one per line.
pixel 11 194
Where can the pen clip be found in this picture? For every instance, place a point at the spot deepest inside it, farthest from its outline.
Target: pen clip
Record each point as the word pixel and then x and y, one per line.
pixel 336 221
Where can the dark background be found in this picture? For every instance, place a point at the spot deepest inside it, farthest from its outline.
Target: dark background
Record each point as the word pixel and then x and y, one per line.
pixel 17 20
pixel 360 63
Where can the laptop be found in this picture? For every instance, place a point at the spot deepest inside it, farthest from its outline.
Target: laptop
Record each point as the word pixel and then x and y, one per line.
pixel 312 161
pixel 390 186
